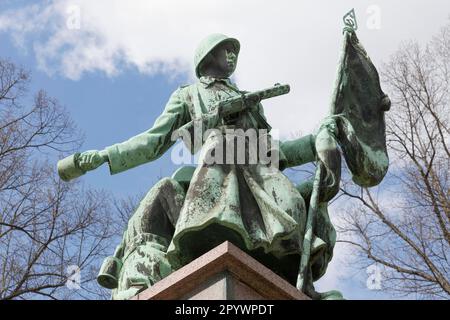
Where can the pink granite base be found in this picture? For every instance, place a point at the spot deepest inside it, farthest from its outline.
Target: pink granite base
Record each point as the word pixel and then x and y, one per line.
pixel 224 273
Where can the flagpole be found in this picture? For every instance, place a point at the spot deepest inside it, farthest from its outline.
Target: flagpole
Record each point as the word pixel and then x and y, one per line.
pixel 351 25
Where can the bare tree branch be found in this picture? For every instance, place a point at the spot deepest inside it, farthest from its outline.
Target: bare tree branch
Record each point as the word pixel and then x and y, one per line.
pixel 45 225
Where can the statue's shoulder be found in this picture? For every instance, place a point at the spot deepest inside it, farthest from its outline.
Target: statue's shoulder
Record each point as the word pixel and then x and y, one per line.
pixel 185 88
pixel 182 92
pixel 186 91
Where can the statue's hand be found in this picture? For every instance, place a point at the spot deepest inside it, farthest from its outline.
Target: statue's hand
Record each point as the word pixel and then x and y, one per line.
pixel 329 124
pixel 252 100
pixel 90 160
pixel 327 150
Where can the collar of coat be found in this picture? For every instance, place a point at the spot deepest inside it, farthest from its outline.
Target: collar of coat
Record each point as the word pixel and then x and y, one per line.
pixel 208 81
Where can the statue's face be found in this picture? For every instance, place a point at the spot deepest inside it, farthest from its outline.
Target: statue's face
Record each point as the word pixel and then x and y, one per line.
pixel 225 59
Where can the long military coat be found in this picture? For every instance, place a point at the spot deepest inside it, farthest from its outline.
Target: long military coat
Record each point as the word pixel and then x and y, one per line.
pixel 253 205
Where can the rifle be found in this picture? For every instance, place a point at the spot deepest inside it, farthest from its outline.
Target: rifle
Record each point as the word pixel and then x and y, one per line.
pixel 244 101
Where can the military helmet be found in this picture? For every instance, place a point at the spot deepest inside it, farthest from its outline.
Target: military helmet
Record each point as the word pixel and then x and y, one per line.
pixel 207 45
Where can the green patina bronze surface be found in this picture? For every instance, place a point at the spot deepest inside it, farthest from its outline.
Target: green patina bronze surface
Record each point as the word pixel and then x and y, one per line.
pixel 253 205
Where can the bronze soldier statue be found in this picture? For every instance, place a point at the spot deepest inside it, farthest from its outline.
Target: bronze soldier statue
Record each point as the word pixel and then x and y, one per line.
pixel 245 200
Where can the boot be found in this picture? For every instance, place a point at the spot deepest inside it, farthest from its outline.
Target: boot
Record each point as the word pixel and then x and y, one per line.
pixel 144 264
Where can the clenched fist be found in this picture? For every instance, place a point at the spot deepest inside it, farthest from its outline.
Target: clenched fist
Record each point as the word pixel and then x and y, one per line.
pixel 91 159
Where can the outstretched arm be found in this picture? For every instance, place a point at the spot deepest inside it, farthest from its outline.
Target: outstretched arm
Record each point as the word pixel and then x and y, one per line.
pixel 144 147
pixel 299 151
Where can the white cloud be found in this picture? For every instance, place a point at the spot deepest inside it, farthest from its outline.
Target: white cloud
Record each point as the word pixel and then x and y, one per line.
pixel 295 42
pixel 286 41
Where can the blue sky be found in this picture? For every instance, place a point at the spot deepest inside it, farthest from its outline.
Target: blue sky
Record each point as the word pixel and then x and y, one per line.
pixel 115 87
pixel 107 110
